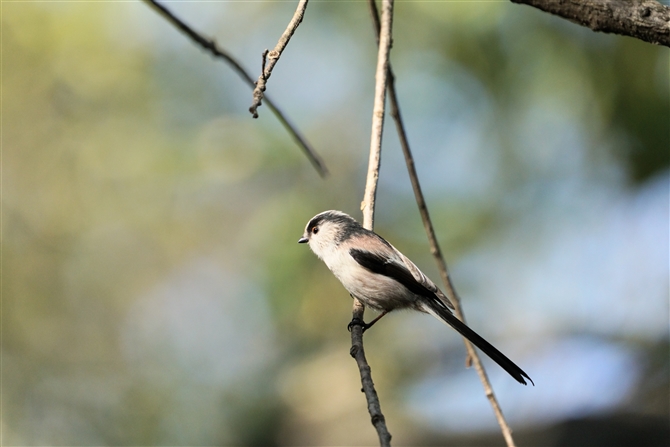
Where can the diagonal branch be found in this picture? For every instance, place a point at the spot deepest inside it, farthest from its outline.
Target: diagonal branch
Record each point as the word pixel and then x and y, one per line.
pixel 211 46
pixel 647 20
pixel 273 57
pixel 368 208
pixel 432 239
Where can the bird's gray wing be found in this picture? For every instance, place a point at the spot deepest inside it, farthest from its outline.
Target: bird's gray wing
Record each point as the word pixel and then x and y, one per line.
pixel 403 271
pixel 382 265
pixel 421 278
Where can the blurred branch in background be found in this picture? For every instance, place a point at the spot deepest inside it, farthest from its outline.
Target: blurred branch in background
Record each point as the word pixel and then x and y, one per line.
pixel 647 20
pixel 211 46
pixel 273 56
pixel 368 208
pixel 472 356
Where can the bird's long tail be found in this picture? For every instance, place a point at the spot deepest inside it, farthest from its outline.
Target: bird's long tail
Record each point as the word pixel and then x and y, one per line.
pixel 445 315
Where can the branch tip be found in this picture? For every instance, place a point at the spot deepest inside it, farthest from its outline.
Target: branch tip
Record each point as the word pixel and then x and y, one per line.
pixel 273 56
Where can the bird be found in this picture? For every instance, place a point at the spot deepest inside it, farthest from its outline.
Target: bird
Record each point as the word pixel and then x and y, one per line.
pixel 383 279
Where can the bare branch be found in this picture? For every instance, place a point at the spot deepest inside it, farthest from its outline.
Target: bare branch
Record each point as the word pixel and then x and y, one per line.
pixel 381 84
pixel 432 239
pixel 358 353
pixel 273 57
pixel 647 20
pixel 211 46
pixel 368 208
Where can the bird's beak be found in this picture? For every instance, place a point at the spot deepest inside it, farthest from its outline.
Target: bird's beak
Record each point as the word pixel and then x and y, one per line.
pixel 303 240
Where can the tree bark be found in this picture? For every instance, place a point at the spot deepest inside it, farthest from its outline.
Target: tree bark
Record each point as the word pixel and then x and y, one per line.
pixel 647 20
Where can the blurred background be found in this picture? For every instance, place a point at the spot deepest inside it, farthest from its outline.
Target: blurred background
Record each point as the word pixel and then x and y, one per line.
pixel 153 292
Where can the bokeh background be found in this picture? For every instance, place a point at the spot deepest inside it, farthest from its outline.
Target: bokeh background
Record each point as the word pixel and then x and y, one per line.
pixel 153 292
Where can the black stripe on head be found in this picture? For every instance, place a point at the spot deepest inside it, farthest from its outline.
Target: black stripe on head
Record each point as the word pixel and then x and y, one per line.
pixel 347 224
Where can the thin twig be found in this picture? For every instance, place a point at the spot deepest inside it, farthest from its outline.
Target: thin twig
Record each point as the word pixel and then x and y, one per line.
pixel 381 84
pixel 211 46
pixel 368 208
pixel 434 245
pixel 273 57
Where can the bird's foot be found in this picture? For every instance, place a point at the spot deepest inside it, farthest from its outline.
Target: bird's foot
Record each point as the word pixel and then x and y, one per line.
pixel 358 322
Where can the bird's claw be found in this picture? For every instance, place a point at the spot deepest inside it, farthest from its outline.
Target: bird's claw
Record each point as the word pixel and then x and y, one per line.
pixel 357 322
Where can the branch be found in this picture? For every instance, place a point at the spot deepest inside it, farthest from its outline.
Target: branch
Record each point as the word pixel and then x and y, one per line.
pixel 381 84
pixel 211 46
pixel 647 20
pixel 368 208
pixel 273 57
pixel 358 353
pixel 432 239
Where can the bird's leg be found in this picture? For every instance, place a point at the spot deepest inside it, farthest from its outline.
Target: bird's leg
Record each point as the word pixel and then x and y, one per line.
pixel 363 324
pixel 379 317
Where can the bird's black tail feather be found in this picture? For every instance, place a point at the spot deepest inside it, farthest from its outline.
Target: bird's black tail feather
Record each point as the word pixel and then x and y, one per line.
pixel 486 347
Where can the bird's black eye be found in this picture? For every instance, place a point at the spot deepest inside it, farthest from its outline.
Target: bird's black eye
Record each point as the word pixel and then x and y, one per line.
pixel 315 230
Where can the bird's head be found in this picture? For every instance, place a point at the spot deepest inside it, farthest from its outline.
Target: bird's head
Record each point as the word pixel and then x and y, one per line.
pixel 327 230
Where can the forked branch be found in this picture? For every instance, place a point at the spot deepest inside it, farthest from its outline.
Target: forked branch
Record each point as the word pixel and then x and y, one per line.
pixel 210 46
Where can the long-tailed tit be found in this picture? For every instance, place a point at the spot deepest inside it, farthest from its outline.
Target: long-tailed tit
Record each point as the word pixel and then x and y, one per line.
pixel 383 279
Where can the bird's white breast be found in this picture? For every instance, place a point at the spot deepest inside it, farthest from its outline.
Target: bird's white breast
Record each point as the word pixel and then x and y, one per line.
pixel 374 290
